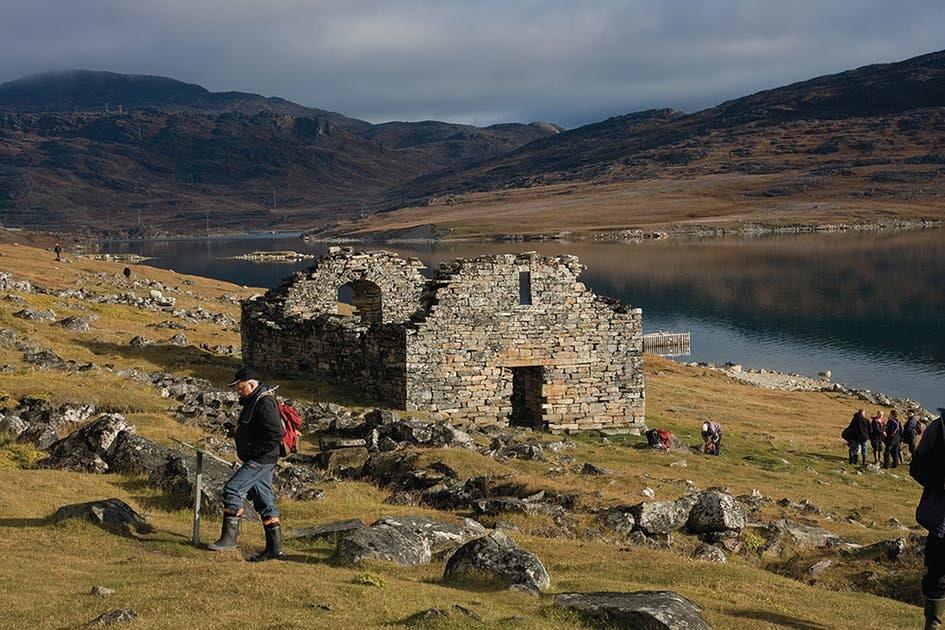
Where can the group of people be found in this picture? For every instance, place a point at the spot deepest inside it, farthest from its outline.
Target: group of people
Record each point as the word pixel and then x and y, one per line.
pixel 886 436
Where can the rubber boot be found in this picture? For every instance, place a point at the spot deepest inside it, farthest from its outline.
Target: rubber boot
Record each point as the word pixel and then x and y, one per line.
pixel 273 550
pixel 231 529
pixel 934 613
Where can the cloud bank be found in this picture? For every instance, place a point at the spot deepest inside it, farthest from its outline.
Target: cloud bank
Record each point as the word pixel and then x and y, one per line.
pixel 566 61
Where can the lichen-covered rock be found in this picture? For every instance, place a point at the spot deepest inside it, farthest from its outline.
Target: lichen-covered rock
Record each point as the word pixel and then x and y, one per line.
pixel 497 559
pixel 425 434
pixel 784 537
pixel 346 462
pixel 112 514
pixel 139 341
pixel 647 610
pixel 327 530
pixel 113 617
pixel 178 475
pixel 618 520
pixel 715 511
pixel 405 540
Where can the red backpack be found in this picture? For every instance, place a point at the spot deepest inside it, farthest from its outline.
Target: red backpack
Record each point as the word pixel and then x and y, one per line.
pixel 291 424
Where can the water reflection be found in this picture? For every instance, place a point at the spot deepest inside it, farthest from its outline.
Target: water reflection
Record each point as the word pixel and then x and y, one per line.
pixel 868 307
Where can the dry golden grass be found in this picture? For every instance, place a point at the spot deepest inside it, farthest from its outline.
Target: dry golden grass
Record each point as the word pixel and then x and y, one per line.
pixel 784 444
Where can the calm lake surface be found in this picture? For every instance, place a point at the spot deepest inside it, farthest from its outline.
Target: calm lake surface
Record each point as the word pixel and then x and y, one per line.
pixel 868 307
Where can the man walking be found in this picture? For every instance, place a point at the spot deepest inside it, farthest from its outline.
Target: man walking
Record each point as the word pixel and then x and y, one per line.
pixel 258 434
pixel 928 468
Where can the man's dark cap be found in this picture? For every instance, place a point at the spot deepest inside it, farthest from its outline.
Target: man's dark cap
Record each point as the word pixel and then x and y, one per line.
pixel 244 374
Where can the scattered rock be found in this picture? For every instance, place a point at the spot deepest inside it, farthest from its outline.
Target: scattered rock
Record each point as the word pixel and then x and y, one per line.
pixel 36 315
pixel 819 567
pixel 592 469
pixel 75 324
pixel 177 477
pixel 130 453
pixel 139 342
pixel 662 517
pixel 709 553
pixel 102 591
pixel 497 559
pixel 652 610
pixel 112 514
pixel 180 339
pixel 112 617
pixel 619 520
pixel 783 537
pixel 345 462
pixel 405 540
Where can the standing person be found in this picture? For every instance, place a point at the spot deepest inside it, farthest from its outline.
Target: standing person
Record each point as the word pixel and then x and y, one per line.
pixel 258 434
pixel 877 433
pixel 857 435
pixel 58 251
pixel 711 437
pixel 893 441
pixel 911 431
pixel 928 468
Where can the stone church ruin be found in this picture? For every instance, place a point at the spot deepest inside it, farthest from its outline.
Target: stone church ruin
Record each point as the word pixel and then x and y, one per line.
pixel 509 338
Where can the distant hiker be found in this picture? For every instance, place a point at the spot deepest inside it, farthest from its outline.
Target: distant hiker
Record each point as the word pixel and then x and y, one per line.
pixel 258 434
pixel 127 273
pixel 711 438
pixel 857 435
pixel 877 433
pixel 928 468
pixel 893 441
pixel 58 251
pixel 659 439
pixel 911 430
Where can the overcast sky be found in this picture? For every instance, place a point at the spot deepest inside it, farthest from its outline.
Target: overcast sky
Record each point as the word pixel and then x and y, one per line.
pixel 479 61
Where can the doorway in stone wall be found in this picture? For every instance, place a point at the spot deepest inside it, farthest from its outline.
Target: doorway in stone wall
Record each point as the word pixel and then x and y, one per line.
pixel 526 396
pixel 361 299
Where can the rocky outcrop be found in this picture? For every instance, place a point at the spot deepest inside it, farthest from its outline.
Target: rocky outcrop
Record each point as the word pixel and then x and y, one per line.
pixel 87 449
pixel 177 478
pixel 132 454
pixel 496 559
pixel 327 530
pixel 709 553
pixel 784 537
pixel 405 540
pixel 662 517
pixel 36 315
pixel 112 514
pixel 650 610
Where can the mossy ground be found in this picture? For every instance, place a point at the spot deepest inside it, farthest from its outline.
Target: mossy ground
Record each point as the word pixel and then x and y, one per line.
pixel 784 444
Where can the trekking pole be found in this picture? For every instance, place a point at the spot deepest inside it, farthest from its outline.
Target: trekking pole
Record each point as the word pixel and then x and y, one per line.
pixel 198 484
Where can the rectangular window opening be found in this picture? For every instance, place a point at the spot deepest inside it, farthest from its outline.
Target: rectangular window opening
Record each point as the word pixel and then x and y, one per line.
pixel 525 287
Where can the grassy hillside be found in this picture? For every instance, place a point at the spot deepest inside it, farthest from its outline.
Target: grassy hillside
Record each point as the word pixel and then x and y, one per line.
pixel 783 444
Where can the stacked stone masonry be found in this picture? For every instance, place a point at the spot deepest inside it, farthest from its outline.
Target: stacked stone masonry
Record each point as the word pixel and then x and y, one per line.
pixel 494 339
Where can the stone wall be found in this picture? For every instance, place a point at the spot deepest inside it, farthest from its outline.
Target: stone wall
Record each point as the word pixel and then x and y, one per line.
pixel 453 344
pixel 474 330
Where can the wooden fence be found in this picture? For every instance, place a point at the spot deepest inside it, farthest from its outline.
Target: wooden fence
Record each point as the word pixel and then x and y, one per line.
pixel 666 344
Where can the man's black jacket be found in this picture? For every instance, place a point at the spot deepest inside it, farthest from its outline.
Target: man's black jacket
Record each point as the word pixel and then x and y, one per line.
pixel 259 431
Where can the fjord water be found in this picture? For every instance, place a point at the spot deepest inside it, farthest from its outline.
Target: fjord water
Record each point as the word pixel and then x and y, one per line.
pixel 869 307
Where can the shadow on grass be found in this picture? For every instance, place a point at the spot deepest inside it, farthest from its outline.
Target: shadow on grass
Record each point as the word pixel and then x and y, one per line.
pixel 219 370
pixel 778 619
pixel 144 494
pixel 24 522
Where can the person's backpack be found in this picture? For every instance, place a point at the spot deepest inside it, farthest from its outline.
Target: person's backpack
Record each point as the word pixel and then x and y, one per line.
pixel 291 425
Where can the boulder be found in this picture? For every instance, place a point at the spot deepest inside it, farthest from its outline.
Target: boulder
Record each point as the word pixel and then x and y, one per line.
pixel 593 469
pixel 75 324
pixel 180 339
pixel 11 426
pixel 86 449
pixel 497 559
pixel 618 520
pixel 784 536
pixel 346 462
pixel 405 540
pixel 297 479
pixel 649 610
pixel 35 315
pixel 327 530
pixel 662 517
pixel 892 549
pixel 178 475
pixel 709 553
pixel 132 454
pixel 715 511
pixel 505 446
pixel 139 342
pixel 112 514
pixel 46 359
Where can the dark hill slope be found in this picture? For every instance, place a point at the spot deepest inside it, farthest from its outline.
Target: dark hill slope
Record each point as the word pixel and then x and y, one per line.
pixel 652 144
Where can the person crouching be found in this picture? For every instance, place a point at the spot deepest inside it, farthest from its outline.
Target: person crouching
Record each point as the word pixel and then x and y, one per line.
pixel 258 434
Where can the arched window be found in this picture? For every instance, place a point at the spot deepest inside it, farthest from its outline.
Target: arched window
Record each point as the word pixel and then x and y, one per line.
pixel 361 299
